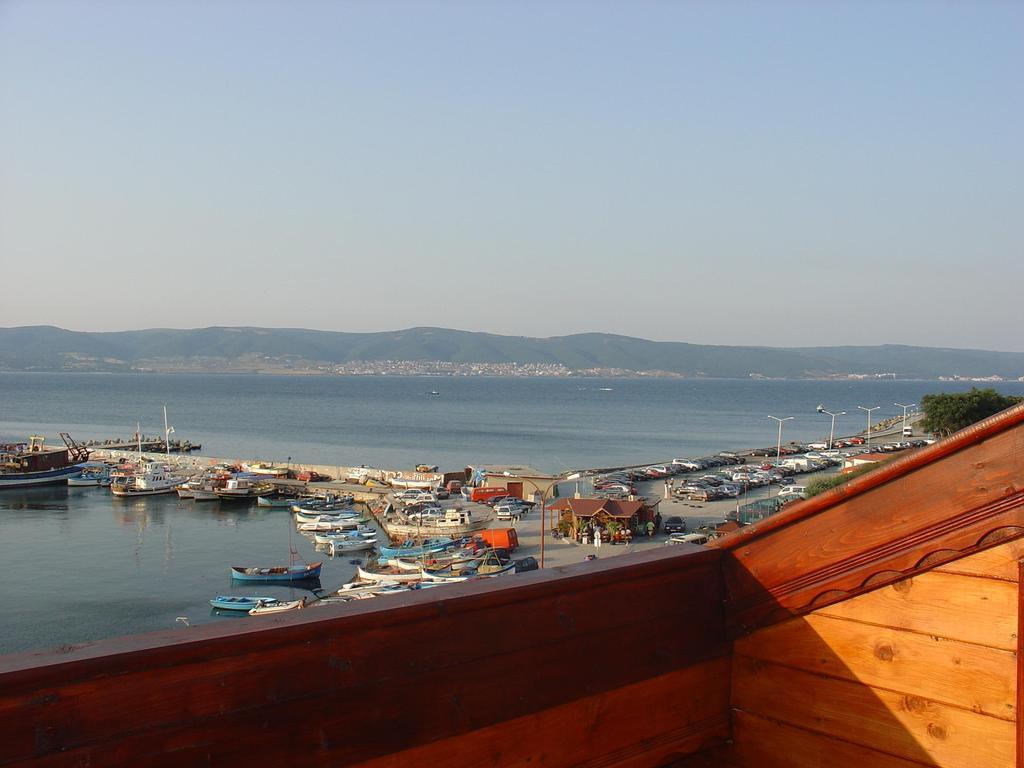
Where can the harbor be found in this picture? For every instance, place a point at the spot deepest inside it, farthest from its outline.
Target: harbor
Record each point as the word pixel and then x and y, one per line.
pixel 160 558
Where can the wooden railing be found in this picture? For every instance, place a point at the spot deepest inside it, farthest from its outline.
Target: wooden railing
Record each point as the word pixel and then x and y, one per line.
pixel 623 661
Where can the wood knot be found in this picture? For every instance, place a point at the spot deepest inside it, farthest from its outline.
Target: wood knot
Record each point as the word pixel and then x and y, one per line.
pixel 937 731
pixel 884 651
pixel 903 586
pixel 914 704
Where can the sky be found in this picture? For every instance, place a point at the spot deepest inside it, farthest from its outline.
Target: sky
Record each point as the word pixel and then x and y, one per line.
pixel 783 174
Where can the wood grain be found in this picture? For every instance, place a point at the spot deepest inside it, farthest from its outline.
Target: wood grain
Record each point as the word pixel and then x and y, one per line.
pixel 911 727
pixel 366 679
pixel 979 611
pixel 876 532
pixel 759 742
pixel 996 563
pixel 642 725
pixel 975 677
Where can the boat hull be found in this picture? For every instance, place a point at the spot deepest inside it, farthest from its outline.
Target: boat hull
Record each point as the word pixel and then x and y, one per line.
pixel 49 477
pixel 291 573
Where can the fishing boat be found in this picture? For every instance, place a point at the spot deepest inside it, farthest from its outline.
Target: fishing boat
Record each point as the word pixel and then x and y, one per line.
pixel 240 602
pixel 91 476
pixel 278 606
pixel 263 468
pixel 241 489
pixel 294 572
pixel 412 550
pixel 150 479
pixel 456 522
pixel 34 463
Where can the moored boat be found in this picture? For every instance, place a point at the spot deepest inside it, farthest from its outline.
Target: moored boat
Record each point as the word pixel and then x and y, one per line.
pixel 294 572
pixel 91 476
pixel 240 602
pixel 151 479
pixel 34 463
pixel 278 606
pixel 272 501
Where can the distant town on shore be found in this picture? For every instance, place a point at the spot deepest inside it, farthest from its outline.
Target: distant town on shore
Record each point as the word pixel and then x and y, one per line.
pixel 444 352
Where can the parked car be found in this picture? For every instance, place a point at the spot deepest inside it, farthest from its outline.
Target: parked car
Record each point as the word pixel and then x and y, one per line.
pixel 674 524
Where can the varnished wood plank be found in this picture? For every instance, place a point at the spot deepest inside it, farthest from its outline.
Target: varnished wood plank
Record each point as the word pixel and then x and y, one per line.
pixel 1020 662
pixel 925 513
pixel 911 727
pixel 639 726
pixel 759 742
pixel 474 657
pixel 980 611
pixel 996 563
pixel 975 677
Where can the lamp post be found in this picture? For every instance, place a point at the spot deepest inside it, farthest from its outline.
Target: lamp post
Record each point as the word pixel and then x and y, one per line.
pixel 778 446
pixel 904 407
pixel 869 410
pixel 832 430
pixel 544 510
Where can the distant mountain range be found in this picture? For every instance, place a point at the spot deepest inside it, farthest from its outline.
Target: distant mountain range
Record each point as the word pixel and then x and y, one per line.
pixel 46 348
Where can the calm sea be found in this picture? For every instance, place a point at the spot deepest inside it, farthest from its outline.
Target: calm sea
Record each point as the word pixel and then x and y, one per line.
pixel 76 564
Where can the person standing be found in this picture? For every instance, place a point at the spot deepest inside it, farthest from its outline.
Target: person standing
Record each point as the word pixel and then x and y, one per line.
pixel 597 536
pixel 650 528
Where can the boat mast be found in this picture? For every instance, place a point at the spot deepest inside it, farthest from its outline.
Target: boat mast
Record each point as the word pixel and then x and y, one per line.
pixel 167 434
pixel 138 436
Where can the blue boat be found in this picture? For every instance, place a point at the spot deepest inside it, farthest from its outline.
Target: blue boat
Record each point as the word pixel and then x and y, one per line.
pixel 240 603
pixel 280 573
pixel 428 547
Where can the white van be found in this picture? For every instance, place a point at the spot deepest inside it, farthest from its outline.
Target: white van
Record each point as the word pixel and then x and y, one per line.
pixel 792 490
pixel 908 431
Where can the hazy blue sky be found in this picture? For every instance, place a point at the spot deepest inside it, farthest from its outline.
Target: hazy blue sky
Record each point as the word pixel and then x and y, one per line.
pixel 785 174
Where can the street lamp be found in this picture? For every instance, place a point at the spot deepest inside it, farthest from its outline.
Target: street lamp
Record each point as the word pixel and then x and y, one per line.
pixel 544 509
pixel 778 447
pixel 869 410
pixel 832 431
pixel 904 407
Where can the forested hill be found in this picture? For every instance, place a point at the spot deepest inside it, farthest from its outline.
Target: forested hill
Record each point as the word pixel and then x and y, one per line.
pixel 46 348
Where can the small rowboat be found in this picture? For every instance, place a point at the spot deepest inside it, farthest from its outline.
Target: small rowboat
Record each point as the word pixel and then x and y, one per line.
pixel 338 546
pixel 280 573
pixel 327 538
pixel 322 517
pixel 240 602
pixel 333 525
pixel 270 501
pixel 279 606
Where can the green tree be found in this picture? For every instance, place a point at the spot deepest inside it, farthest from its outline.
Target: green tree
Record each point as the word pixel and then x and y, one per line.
pixel 945 414
pixel 822 484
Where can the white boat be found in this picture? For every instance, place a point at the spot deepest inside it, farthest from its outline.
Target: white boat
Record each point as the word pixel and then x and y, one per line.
pixel 150 480
pixel 326 517
pixel 340 546
pixel 279 606
pixel 335 525
pixel 241 489
pixel 92 476
pixel 356 535
pixel 263 468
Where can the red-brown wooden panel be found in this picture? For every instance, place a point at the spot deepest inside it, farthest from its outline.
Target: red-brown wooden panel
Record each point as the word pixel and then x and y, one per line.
pixel 959 496
pixel 345 684
pixel 638 726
